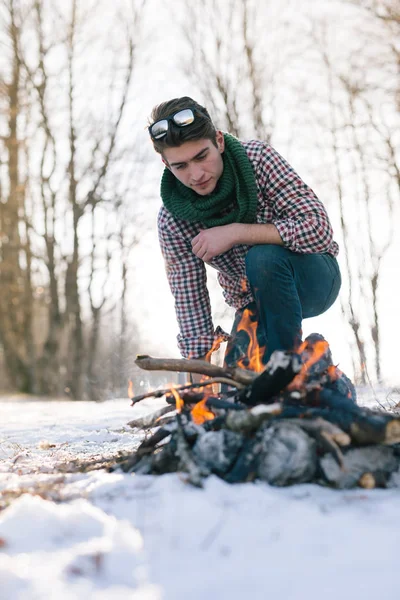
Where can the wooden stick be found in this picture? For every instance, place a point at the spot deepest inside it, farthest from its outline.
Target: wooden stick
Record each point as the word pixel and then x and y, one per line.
pixel 183 365
pixel 367 481
pixel 327 434
pixel 151 419
pixel 323 426
pixel 185 386
pixel 248 421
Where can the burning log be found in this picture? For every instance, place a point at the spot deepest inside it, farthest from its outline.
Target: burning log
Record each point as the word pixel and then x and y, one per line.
pixel 296 421
pixel 278 373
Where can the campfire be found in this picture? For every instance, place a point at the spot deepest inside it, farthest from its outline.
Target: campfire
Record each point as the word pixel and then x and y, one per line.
pixel 294 421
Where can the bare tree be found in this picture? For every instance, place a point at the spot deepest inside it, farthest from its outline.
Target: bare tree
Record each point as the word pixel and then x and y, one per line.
pixel 235 59
pixel 387 13
pixel 362 147
pixel 51 202
pixel 16 258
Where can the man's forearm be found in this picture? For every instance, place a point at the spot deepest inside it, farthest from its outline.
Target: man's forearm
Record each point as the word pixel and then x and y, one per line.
pixel 212 242
pixel 257 233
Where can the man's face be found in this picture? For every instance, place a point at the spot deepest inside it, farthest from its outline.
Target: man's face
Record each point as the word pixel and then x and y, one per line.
pixel 197 164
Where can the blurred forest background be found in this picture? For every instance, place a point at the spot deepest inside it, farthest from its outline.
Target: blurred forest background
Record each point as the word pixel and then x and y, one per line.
pixel 79 181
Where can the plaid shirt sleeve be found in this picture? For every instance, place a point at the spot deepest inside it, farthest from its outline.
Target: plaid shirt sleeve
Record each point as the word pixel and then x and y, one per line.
pixel 187 278
pixel 299 216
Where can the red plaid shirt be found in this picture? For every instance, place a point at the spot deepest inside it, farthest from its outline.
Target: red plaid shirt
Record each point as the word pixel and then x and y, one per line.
pixel 284 200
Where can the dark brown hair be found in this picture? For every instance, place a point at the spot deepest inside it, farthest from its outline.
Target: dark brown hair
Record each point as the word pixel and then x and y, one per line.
pixel 201 128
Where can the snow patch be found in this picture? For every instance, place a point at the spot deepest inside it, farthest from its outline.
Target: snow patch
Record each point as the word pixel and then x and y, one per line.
pixel 156 538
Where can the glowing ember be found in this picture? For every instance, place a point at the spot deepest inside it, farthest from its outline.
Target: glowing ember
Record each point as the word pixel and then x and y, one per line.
pixel 130 389
pixel 254 351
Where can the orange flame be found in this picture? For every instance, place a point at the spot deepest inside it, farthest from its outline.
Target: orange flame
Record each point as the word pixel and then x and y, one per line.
pixel 216 344
pixel 254 351
pixel 130 389
pixel 200 412
pixel 317 351
pixel 178 400
pixel 333 372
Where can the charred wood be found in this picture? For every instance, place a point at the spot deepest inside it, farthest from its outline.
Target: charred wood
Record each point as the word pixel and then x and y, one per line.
pixel 279 372
pixel 320 425
pixel 215 424
pixel 322 372
pixel 146 448
pixel 187 461
pixel 363 425
pixel 297 421
pixel 286 455
pixel 245 465
pixel 190 398
pixel 221 404
pixel 370 466
pixel 217 450
pixel 328 436
pixel 250 420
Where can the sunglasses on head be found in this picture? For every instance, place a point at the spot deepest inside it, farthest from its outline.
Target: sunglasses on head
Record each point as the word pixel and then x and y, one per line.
pixel 183 117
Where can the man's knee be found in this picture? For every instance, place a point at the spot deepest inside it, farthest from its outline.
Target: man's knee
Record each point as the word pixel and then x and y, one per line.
pixel 263 261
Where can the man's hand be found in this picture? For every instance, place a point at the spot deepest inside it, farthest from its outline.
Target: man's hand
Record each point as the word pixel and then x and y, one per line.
pixel 214 241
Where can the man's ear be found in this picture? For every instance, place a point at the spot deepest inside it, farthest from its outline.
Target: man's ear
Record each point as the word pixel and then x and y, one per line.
pixel 165 162
pixel 220 141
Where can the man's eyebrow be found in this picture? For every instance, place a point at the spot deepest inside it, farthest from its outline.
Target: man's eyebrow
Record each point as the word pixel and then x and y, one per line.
pixel 183 162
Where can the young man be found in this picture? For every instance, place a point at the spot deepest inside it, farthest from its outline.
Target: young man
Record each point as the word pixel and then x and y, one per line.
pixel 241 208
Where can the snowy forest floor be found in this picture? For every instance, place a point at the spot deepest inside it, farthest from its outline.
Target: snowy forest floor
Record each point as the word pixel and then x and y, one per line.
pixel 70 530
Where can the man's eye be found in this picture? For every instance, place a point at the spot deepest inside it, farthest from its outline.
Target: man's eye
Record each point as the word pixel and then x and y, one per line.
pixel 179 167
pixel 202 157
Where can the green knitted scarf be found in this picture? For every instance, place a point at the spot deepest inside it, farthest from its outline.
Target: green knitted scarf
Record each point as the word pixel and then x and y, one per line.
pixel 234 200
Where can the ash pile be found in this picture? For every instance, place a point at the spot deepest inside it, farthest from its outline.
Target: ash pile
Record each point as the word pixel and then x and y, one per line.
pixel 297 421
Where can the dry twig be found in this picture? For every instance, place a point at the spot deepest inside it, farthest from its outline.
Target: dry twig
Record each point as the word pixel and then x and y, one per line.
pixel 185 386
pixel 183 365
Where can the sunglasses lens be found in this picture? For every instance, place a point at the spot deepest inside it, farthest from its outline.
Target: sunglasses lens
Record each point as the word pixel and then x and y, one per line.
pixel 184 117
pixel 159 129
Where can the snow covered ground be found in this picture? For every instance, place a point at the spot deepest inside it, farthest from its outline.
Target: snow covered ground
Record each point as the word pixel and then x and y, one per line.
pixel 101 536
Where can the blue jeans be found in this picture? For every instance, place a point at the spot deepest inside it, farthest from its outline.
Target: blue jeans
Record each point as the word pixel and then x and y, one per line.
pixel 287 287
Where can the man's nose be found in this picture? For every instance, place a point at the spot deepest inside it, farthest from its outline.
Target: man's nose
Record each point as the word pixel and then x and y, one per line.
pixel 196 172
